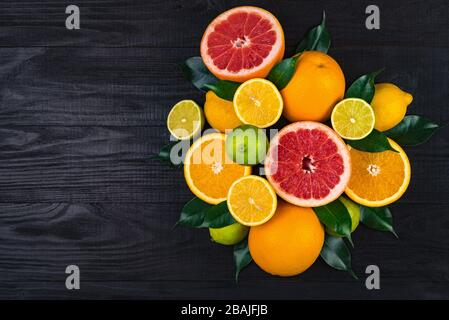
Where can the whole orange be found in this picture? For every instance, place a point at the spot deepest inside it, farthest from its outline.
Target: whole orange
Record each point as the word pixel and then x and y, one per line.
pixel 289 243
pixel 220 113
pixel 316 86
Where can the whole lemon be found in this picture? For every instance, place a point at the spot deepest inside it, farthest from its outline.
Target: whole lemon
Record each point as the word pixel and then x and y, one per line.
pixel 220 113
pixel 229 235
pixel 289 243
pixel 316 86
pixel 390 105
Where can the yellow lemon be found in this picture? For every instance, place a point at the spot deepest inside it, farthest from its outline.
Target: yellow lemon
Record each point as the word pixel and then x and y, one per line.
pixel 252 200
pixel 258 102
pixel 390 105
pixel 220 113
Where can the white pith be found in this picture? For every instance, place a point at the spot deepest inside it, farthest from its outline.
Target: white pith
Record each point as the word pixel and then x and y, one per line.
pixel 373 169
pixel 217 167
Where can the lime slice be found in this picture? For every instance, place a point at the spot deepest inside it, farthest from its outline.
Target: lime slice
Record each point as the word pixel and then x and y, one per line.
pixel 185 120
pixel 353 119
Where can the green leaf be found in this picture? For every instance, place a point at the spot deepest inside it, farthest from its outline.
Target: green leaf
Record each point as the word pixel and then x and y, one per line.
pixel 412 130
pixel 199 214
pixel 193 213
pixel 318 38
pixel 336 254
pixel 336 217
pixel 223 88
pixel 377 219
pixel 242 257
pixel 376 141
pixel 165 155
pixel 218 216
pixel 282 72
pixel 363 87
pixel 196 72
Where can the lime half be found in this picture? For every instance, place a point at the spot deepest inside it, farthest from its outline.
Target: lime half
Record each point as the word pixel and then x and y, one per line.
pixel 353 119
pixel 185 120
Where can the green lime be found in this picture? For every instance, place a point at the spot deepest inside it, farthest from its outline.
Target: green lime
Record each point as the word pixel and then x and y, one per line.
pixel 229 235
pixel 354 212
pixel 247 145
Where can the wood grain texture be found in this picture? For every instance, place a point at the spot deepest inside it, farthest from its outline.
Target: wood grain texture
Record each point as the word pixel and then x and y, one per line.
pixel 179 23
pixel 138 86
pixel 111 164
pixel 81 111
pixel 131 250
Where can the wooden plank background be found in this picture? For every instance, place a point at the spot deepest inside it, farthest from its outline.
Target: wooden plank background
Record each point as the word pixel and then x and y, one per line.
pixel 81 111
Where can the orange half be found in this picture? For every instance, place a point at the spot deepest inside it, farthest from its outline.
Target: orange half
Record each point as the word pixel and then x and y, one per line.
pixel 208 171
pixel 378 178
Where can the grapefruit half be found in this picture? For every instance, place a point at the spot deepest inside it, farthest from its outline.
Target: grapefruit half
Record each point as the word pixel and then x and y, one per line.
pixel 242 43
pixel 308 164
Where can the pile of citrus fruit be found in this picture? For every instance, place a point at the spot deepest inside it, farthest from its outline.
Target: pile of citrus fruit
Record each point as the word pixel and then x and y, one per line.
pixel 333 161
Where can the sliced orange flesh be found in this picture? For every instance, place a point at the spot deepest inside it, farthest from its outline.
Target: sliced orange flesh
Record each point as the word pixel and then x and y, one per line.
pixel 208 171
pixel 378 178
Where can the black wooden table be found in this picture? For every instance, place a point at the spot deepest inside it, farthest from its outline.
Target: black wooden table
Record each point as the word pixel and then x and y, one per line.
pixel 82 110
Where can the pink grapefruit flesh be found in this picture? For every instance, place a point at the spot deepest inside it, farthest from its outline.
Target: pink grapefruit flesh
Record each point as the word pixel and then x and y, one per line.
pixel 242 43
pixel 308 164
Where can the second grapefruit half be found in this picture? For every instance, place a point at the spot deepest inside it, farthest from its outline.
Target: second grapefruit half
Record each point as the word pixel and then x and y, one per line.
pixel 242 43
pixel 308 164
